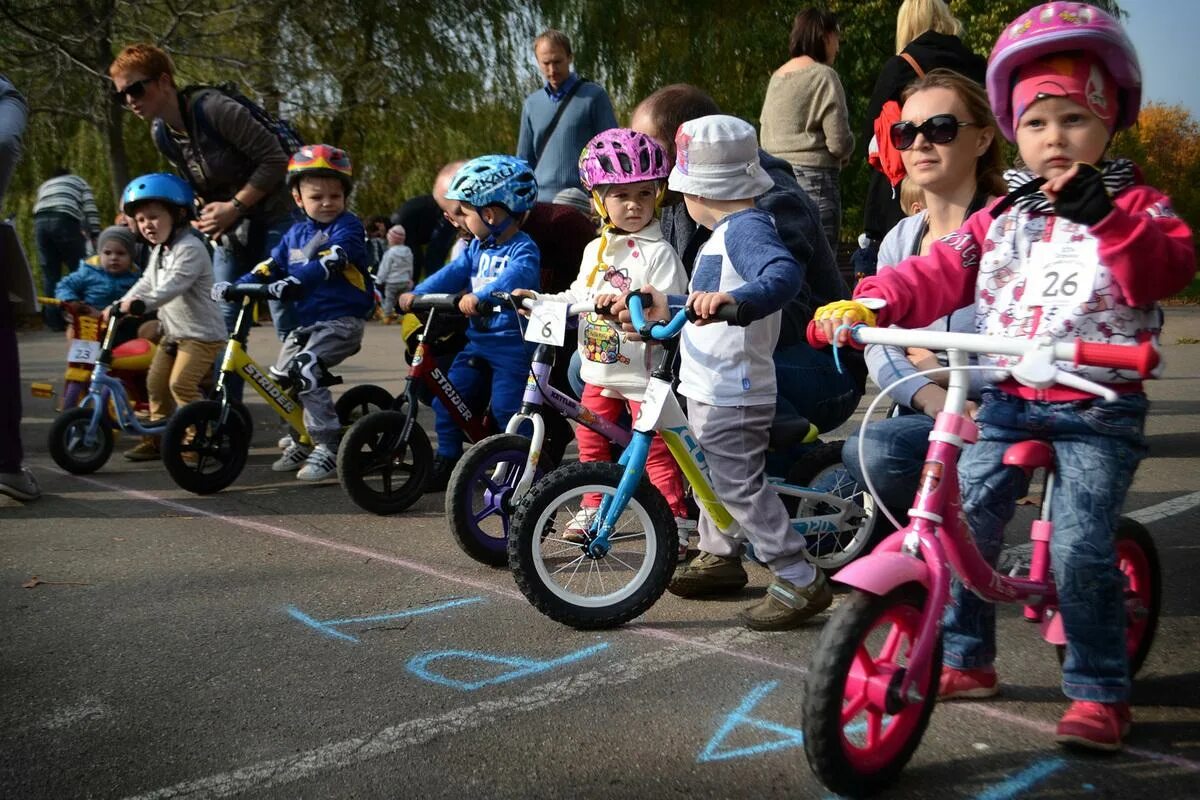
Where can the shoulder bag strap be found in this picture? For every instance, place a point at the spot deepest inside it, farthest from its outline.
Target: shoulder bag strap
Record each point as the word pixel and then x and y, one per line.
pixel 562 106
pixel 912 62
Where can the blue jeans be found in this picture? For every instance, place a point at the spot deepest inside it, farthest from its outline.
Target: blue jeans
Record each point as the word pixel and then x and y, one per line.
pixel 808 384
pixel 227 267
pixel 60 248
pixel 1097 449
pixel 895 451
pixel 821 184
pixel 510 368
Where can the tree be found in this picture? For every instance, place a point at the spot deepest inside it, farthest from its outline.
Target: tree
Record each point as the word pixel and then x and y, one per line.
pixel 1165 143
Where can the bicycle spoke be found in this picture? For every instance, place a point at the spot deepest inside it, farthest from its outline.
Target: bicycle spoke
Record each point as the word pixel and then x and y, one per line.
pixel 853 707
pixel 891 645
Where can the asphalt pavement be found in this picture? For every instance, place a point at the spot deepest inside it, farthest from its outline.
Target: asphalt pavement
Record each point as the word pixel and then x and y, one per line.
pixel 273 641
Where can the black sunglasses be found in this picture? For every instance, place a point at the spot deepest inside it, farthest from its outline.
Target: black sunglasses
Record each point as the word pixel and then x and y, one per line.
pixel 134 91
pixel 938 129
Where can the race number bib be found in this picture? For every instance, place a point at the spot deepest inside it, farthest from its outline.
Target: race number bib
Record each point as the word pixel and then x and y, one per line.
pixel 547 323
pixel 83 352
pixel 1063 271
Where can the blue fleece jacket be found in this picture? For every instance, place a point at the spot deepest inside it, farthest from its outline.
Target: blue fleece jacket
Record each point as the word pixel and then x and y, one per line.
pixel 93 285
pixel 516 264
pixel 343 290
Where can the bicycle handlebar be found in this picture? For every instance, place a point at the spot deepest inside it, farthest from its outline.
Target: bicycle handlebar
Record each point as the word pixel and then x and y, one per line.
pixel 574 309
pixel 1141 358
pixel 447 303
pixel 732 313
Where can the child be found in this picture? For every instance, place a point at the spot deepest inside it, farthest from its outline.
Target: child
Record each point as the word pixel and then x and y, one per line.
pixel 1065 77
pixel 625 171
pixel 321 264
pixel 104 278
pixel 492 192
pixel 395 271
pixel 177 283
pixel 912 197
pixel 728 374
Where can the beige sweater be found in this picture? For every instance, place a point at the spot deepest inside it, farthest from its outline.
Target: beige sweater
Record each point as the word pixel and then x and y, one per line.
pixel 804 118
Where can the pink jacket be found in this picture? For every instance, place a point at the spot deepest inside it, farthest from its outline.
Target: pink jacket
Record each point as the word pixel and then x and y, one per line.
pixel 1146 254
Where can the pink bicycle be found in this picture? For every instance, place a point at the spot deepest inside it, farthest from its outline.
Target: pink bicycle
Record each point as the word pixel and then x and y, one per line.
pixel 872 685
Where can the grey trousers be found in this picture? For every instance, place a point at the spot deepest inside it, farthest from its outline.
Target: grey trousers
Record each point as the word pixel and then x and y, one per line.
pixel 734 441
pixel 332 341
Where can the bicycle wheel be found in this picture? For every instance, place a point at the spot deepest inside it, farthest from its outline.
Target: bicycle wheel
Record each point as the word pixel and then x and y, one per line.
pixel 201 454
pixel 863 526
pixel 567 584
pixel 71 446
pixel 858 733
pixel 380 471
pixel 479 496
pixel 1137 558
pixel 358 401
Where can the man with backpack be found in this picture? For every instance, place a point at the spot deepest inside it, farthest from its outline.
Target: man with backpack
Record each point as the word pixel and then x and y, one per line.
pixel 232 152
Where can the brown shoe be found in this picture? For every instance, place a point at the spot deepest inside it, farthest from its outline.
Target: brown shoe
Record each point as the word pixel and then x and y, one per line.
pixel 147 450
pixel 708 575
pixel 787 605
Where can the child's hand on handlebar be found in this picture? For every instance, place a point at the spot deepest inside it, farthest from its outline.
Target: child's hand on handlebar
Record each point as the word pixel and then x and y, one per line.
pixel 606 304
pixel 705 304
pixel 532 295
pixel 832 316
pixel 405 301
pixel 468 304
pixel 656 310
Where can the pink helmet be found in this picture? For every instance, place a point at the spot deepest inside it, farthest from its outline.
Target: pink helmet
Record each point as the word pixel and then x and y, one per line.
pixel 1057 28
pixel 619 155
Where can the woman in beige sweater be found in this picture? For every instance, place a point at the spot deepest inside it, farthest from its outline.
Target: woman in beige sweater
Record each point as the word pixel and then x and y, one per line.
pixel 804 118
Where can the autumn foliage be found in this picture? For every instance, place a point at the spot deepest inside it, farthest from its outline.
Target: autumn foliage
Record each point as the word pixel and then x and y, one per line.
pixel 1166 145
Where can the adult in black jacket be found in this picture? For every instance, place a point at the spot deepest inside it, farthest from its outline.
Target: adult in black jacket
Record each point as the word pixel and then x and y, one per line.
pixel 929 33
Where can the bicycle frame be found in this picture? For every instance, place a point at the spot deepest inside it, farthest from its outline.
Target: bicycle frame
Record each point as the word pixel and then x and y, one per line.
pixel 937 539
pixel 236 361
pixel 425 368
pixel 106 389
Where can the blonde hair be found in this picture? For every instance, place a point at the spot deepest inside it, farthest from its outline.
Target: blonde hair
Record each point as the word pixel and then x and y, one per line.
pixel 911 195
pixel 917 16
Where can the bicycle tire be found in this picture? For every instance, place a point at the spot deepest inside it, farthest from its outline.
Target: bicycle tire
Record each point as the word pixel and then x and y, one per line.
pixel 838 762
pixel 506 452
pixel 358 401
pixel 220 450
pixel 66 442
pixel 372 450
pixel 833 550
pixel 534 524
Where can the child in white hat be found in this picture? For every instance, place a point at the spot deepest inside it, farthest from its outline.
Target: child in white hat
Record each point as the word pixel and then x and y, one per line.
pixel 728 374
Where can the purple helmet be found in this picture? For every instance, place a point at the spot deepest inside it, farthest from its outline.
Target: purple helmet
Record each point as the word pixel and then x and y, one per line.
pixel 619 155
pixel 1056 28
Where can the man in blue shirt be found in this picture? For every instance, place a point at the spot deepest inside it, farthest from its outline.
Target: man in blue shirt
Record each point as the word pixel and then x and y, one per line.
pixel 582 110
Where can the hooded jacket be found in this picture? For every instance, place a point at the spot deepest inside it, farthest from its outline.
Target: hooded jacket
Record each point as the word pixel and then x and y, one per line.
pixel 92 284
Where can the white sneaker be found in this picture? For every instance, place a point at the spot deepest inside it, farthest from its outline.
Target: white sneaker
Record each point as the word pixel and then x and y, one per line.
pixel 685 527
pixel 577 528
pixel 321 465
pixel 20 485
pixel 292 459
pixel 286 442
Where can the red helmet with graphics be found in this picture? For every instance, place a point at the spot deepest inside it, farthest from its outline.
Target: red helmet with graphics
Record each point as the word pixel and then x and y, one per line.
pixel 320 160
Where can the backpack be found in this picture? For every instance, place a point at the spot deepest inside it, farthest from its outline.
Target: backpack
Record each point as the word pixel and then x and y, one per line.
pixel 287 135
pixel 880 153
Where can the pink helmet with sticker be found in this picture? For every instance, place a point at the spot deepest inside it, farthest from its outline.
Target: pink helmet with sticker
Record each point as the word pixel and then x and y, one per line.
pixel 1055 29
pixel 619 155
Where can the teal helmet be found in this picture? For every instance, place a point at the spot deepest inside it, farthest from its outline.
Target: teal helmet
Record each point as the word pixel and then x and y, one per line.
pixel 495 180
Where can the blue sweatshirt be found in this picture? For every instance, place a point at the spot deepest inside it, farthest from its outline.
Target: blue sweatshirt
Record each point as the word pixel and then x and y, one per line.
pixel 589 112
pixel 516 264
pixel 93 285
pixel 725 365
pixel 342 291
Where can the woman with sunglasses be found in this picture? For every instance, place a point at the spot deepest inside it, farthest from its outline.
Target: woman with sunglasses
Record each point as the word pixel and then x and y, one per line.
pixel 950 146
pixel 235 165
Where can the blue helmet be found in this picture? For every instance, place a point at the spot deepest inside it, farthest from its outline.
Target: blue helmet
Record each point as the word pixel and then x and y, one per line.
pixel 495 180
pixel 161 186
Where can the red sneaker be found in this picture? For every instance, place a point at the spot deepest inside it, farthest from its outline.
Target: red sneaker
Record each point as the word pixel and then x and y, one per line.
pixel 968 683
pixel 1098 726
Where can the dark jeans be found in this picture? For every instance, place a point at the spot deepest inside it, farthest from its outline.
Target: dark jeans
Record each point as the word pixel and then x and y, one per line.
pixel 11 453
pixel 894 454
pixel 60 248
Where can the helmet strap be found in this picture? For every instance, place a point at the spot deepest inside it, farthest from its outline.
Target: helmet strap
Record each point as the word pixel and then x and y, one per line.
pixel 495 231
pixel 600 265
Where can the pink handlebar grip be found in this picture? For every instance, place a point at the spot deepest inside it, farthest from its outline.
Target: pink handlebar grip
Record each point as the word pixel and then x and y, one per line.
pixel 1142 358
pixel 816 337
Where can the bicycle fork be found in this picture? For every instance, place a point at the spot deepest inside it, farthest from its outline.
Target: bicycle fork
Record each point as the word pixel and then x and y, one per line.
pixel 613 505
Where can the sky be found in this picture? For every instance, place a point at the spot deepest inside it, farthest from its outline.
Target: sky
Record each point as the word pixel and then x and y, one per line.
pixel 1166 34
